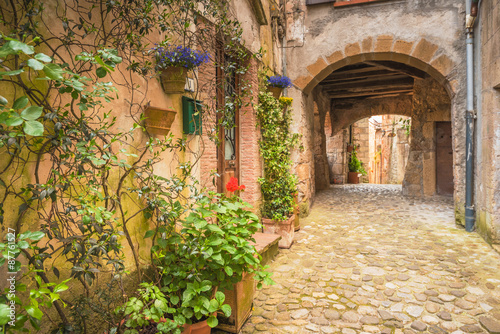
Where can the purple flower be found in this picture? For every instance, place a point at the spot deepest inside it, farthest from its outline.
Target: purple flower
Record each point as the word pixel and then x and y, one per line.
pixel 179 56
pixel 279 81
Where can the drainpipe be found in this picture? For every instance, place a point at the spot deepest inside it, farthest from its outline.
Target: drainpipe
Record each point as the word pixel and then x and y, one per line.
pixel 470 115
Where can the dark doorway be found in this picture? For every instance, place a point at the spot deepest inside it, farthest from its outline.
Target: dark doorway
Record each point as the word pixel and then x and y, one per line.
pixel 444 159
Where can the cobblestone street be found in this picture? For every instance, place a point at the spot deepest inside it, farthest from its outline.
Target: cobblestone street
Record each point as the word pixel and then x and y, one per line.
pixel 369 260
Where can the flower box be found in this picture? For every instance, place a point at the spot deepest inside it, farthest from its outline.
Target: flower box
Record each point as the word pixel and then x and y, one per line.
pixel 285 228
pixel 159 120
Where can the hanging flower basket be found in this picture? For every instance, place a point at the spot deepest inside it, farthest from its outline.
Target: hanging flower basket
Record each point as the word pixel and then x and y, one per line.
pixel 158 120
pixel 173 79
pixel 276 91
pixel 174 62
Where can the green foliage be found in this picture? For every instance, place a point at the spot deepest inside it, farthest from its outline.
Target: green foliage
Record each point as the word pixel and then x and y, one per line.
pixel 278 184
pixel 355 165
pixel 405 124
pixel 210 252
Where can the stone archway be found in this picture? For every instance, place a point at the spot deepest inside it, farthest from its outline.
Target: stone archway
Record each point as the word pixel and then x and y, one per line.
pixel 420 54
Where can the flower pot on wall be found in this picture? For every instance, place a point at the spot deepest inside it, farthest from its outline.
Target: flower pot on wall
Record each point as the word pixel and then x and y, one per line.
pixel 173 79
pixel 159 120
pixel 276 91
pixel 353 177
pixel 285 228
pixel 240 298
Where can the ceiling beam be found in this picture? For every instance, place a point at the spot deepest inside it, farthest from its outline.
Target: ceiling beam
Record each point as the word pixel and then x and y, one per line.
pixel 399 67
pixel 369 84
pixel 347 95
pixel 334 77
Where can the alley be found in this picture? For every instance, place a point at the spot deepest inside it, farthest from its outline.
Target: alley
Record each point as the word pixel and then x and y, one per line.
pixel 369 260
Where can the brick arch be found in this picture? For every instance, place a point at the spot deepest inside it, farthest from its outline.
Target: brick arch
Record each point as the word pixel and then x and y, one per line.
pixel 421 54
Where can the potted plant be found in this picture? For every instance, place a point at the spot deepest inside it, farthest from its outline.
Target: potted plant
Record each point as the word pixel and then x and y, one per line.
pixel 194 263
pixel 356 168
pixel 174 62
pixel 278 185
pixel 277 83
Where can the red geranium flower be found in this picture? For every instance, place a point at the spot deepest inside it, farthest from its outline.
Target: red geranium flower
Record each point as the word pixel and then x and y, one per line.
pixel 232 185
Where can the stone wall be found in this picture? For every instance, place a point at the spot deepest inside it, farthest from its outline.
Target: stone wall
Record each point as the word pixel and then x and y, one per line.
pixel 487 150
pixel 360 138
pixel 335 152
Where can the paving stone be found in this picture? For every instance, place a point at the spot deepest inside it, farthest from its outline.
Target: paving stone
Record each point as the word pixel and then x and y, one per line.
pixel 430 320
pixel 302 313
pixel 491 325
pixel 419 326
pixel 385 315
pixel 447 298
pixel 471 329
pixel 445 316
pixel 350 316
pixel 414 311
pixel 463 304
pixel 369 320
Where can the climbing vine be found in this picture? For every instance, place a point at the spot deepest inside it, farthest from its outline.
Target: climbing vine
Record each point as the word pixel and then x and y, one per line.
pixel 278 184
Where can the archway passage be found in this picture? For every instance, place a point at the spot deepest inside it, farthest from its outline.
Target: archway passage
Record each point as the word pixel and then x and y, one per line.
pixel 362 90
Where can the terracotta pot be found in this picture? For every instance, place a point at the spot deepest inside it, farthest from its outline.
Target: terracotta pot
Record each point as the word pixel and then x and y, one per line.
pixel 240 298
pixel 353 177
pixel 276 91
pixel 285 228
pixel 350 148
pixel 173 79
pixel 200 328
pixel 158 120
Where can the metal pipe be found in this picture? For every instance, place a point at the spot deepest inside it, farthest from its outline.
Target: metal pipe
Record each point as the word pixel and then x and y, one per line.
pixel 470 115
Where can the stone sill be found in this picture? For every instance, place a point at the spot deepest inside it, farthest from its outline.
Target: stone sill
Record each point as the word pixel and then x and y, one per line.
pixel 355 2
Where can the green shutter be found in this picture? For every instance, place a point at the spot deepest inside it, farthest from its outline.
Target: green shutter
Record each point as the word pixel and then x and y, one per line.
pixel 191 116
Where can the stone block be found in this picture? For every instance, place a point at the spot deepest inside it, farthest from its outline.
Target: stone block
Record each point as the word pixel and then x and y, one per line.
pixel 367 44
pixel 317 67
pixel 384 43
pixel 335 57
pixel 352 49
pixel 425 50
pixel 404 47
pixel 443 65
pixel 302 82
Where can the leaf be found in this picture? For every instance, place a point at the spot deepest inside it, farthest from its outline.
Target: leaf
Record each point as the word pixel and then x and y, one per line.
pixel 35 64
pixel 33 128
pixel 60 288
pixel 11 73
pixel 37 235
pixel 31 113
pixel 14 121
pixel 149 234
pixel 23 244
pixel 2 261
pixel 43 57
pixel 34 312
pixel 212 321
pixel 214 306
pixel 228 271
pixel 174 300
pixel 20 46
pixel 226 309
pixel 56 272
pixel 20 103
pixel 3 100
pixel 4 314
pixel 101 72
pixel 53 71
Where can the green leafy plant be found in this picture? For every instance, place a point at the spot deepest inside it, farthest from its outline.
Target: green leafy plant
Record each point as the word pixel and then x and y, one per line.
pixel 193 265
pixel 355 165
pixel 278 184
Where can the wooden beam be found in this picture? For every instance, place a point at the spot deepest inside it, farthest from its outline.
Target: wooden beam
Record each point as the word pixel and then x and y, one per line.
pixel 347 95
pixel 334 77
pixel 399 67
pixel 370 82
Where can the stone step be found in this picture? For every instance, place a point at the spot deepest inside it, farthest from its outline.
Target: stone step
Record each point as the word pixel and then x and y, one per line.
pixel 267 246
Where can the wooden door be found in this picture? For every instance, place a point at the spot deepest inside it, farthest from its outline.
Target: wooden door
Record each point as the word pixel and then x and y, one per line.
pixel 444 159
pixel 228 150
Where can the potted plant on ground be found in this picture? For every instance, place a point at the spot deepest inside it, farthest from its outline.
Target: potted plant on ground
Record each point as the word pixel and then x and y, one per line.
pixel 356 168
pixel 174 62
pixel 278 185
pixel 194 263
pixel 277 83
